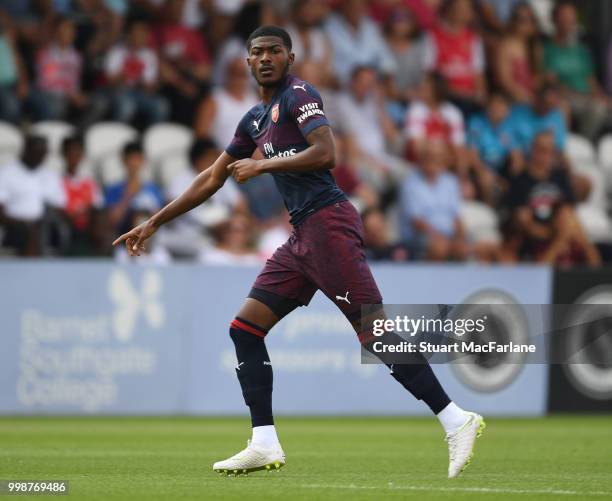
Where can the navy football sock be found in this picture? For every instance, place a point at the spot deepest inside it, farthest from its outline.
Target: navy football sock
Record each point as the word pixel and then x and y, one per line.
pixel 254 370
pixel 415 375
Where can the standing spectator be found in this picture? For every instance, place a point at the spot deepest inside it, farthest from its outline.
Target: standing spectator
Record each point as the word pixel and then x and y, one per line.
pixel 132 71
pixel 83 198
pixel 219 113
pixel 518 55
pixel 407 45
pixel 430 205
pixel 455 51
pixel 357 41
pixel 544 226
pixel 122 198
pixel 495 141
pixel 310 42
pixel 377 241
pixel 57 94
pixel 370 131
pixel 184 62
pixel 569 63
pixel 191 232
pixel 13 77
pixel 28 191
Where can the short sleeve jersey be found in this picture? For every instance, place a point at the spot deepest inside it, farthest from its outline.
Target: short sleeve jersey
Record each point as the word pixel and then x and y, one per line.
pixel 279 129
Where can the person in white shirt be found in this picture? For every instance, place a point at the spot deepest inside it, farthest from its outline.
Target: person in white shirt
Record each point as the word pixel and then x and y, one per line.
pixel 357 41
pixel 219 113
pixel 189 234
pixel 371 135
pixel 132 70
pixel 27 190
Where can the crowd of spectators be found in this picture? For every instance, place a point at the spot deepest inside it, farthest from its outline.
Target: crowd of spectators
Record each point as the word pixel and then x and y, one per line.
pixel 434 104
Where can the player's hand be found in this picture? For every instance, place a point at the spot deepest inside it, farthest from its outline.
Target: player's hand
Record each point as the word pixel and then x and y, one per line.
pixel 245 169
pixel 136 238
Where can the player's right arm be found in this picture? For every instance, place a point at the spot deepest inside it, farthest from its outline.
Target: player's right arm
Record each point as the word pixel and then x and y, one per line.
pixel 204 186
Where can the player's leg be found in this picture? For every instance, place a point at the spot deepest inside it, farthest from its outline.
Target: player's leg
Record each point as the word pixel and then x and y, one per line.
pixel 278 290
pixel 341 271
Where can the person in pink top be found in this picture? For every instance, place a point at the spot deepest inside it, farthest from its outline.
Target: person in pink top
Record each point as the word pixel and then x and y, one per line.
pixel 518 56
pixel 57 94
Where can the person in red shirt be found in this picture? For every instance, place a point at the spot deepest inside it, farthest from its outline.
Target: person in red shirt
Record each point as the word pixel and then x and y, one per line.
pixel 455 51
pixel 83 198
pixel 132 70
pixel 185 62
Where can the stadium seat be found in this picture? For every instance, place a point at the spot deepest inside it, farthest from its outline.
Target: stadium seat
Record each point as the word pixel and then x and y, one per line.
pixel 106 138
pixel 11 142
pixel 55 132
pixel 597 197
pixel 110 170
pixel 481 223
pixel 169 166
pixel 595 222
pixel 162 139
pixel 579 149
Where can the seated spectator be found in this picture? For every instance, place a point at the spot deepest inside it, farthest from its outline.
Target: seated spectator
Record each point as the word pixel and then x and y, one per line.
pixel 408 48
pixel 543 225
pixel 234 244
pixel 545 115
pixel 28 192
pixel 569 63
pixel 184 62
pixel 224 107
pixel 432 118
pixel 356 41
pixel 495 141
pixel 430 205
pixel 132 72
pixel 122 198
pixel 517 58
pixel 58 76
pixel 84 199
pixel 310 42
pixel 190 233
pixel 370 133
pixel 425 11
pixel 377 241
pixel 13 76
pixel 347 178
pixel 455 51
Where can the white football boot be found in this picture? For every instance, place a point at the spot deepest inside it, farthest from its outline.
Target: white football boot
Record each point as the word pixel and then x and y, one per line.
pixel 253 458
pixel 461 443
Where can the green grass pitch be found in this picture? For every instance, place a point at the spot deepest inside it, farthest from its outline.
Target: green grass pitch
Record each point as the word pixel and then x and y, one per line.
pixel 327 458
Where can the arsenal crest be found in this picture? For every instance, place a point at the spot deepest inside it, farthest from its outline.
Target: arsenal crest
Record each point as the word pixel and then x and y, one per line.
pixel 275 113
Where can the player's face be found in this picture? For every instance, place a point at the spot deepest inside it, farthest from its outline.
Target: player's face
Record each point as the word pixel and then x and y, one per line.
pixel 269 60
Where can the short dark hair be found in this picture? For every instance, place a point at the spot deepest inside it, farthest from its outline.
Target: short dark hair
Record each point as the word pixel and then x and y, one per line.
pixel 270 31
pixel 199 148
pixel 131 148
pixel 69 141
pixel 560 5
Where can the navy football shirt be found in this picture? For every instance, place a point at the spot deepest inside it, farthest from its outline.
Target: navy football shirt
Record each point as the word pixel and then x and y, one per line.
pixel 279 129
